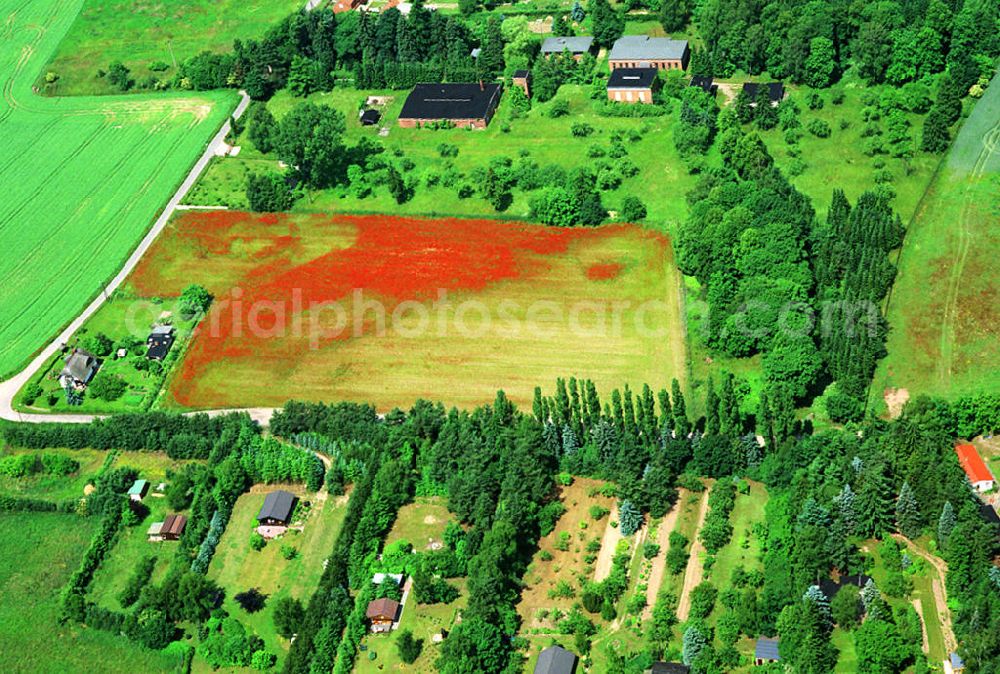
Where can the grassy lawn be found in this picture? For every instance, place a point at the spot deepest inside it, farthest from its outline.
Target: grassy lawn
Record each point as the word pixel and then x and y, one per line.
pixel 464 301
pixel 237 567
pixel 32 574
pixel 123 319
pixel 54 487
pixel 421 522
pixel 661 181
pixel 89 174
pixel 167 31
pixel 942 308
pixel 847 662
pixel 132 546
pixel 424 620
pixel 744 548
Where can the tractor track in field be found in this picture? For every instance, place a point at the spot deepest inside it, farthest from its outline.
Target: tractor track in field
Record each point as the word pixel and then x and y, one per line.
pixel 103 237
pixel 990 141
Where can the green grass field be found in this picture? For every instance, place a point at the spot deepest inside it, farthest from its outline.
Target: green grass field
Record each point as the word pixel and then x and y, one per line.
pixel 945 337
pixel 54 487
pixel 237 567
pixel 744 549
pixel 661 183
pixel 32 573
pixel 83 178
pixel 166 31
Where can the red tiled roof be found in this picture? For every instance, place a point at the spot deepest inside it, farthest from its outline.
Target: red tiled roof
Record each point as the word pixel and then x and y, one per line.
pixel 973 464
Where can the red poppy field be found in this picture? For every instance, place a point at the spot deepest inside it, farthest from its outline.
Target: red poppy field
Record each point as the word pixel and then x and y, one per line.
pixel 389 309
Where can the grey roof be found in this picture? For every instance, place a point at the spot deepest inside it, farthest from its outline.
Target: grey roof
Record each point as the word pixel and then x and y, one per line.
pixel 138 487
pixel 278 505
pixel 643 47
pixel 766 649
pixel 574 45
pixel 555 660
pixel 956 662
pixel 162 330
pixel 80 366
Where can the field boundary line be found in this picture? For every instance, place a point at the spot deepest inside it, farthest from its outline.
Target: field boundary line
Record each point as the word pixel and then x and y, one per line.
pixel 10 387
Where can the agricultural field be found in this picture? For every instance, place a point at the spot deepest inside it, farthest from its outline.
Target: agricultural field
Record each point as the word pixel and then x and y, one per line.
pixel 536 135
pixel 32 574
pixel 161 35
pixel 238 568
pixel 84 179
pixel 126 321
pixel 945 336
pixel 417 308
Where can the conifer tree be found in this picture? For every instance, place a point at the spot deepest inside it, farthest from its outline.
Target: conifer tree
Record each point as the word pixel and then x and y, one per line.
pixel 681 423
pixel 694 643
pixel 908 519
pixel 629 518
pixel 815 595
pixel 712 423
pixel 946 524
pixel 844 502
pixel 875 506
pixel 666 413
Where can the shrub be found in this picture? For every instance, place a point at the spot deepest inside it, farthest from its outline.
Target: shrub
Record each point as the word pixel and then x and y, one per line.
pixel 650 550
pixel 558 108
pixel 819 128
pixel 837 97
pixel 257 542
pixel 31 393
pixel 815 101
pixel 409 647
pixel 597 512
pixel 633 210
pixel 107 387
pixel 289 552
pixel 581 129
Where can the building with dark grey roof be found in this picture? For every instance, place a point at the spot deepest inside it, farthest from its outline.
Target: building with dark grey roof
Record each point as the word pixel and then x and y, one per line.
pixel 704 83
pixel 669 668
pixel 158 344
pixel 642 51
pixel 79 369
pixel 277 508
pixel 556 660
pixel 462 104
pixel 577 46
pixel 632 85
pixel 775 91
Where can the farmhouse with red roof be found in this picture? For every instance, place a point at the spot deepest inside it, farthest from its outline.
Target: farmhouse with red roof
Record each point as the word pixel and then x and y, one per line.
pixel 975 468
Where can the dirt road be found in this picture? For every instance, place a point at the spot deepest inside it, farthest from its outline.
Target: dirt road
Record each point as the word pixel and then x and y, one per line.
pixel 609 542
pixel 695 569
pixel 918 606
pixel 940 594
pixel 660 562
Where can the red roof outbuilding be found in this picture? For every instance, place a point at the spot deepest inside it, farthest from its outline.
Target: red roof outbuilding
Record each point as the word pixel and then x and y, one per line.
pixel 973 464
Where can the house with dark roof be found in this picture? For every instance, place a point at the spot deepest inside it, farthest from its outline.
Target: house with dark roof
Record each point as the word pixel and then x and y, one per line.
pixel 170 529
pixel 576 46
pixel 79 369
pixel 369 117
pixel 556 660
pixel 277 509
pixel 668 668
pixel 775 92
pixel 642 51
pixel 158 344
pixel 382 613
pixel 467 105
pixel 705 83
pixel 975 468
pixel 765 651
pixel 632 85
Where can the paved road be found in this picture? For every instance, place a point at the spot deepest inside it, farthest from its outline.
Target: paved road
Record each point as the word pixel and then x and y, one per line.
pixel 10 387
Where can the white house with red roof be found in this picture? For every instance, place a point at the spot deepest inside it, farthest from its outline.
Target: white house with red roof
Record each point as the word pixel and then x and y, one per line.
pixel 975 468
